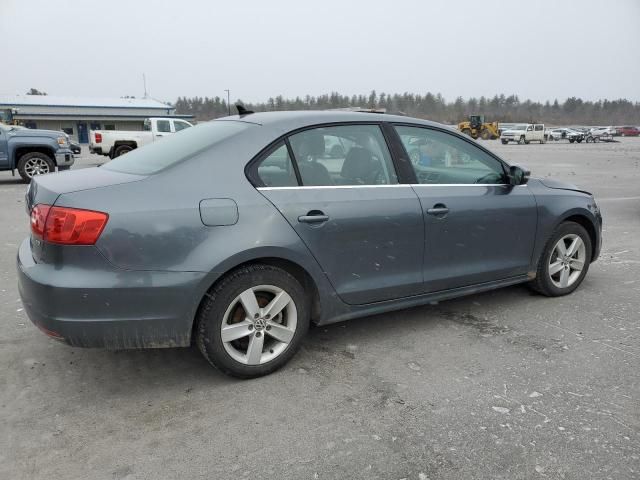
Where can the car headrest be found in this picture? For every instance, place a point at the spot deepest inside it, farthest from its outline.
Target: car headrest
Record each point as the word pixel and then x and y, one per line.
pixel 308 144
pixel 358 164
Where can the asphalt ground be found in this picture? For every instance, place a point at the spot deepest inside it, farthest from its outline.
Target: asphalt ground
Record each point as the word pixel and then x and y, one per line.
pixel 506 384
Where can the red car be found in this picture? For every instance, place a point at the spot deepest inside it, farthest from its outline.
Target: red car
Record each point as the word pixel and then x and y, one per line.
pixel 628 131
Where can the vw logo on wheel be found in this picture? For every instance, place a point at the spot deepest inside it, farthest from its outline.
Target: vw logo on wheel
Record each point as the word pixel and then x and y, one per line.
pixel 260 324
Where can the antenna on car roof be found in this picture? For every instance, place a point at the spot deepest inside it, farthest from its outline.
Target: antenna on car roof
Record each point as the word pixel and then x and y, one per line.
pixel 243 111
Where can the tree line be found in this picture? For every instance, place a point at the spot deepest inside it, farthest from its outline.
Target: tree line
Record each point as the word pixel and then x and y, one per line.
pixel 502 108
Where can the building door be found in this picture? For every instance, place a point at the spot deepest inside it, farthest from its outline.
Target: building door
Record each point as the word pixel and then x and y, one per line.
pixel 83 134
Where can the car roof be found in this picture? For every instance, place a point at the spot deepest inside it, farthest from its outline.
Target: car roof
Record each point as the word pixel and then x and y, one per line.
pixel 300 118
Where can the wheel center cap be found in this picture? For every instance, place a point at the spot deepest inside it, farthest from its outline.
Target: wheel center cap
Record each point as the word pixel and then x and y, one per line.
pixel 260 324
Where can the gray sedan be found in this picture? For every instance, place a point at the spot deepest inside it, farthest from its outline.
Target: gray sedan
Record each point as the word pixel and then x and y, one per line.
pixel 237 234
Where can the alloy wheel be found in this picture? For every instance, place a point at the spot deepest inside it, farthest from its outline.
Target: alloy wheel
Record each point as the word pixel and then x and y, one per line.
pixel 259 324
pixel 36 166
pixel 567 261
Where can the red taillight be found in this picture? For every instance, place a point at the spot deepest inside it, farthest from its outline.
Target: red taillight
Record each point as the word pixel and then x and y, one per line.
pixel 38 218
pixel 98 137
pixel 67 226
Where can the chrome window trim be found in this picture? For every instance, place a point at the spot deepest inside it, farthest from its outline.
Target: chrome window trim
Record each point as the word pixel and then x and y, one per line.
pixel 319 187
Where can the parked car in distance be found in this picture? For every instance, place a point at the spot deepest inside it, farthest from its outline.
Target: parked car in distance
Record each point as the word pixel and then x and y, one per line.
pixel 264 233
pixel 603 130
pixel 33 152
pixel 113 143
pixel 599 134
pixel 524 134
pixel 569 134
pixel 627 131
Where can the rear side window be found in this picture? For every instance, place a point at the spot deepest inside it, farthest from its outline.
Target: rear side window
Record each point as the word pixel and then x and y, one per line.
pixel 276 169
pixel 175 148
pixel 164 126
pixel 539 128
pixel 343 155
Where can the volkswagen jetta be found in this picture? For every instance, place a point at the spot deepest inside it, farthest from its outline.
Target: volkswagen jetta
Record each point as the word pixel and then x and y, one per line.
pixel 238 233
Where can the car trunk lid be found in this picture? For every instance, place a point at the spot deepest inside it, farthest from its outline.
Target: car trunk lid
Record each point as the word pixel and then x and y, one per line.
pixel 46 189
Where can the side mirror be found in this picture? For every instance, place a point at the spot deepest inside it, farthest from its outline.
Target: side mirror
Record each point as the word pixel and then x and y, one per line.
pixel 518 175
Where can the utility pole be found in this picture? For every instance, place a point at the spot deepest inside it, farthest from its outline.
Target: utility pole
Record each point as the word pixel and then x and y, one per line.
pixel 144 82
pixel 228 100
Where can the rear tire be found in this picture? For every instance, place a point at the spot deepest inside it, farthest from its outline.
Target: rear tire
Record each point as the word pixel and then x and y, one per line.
pixel 551 266
pixel 255 351
pixel 121 150
pixel 34 163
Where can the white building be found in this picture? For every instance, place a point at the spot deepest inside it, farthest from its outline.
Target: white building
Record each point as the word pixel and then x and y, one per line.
pixel 76 116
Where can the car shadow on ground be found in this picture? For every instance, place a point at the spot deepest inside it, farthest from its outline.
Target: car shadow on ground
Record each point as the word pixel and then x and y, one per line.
pixel 12 181
pixel 119 372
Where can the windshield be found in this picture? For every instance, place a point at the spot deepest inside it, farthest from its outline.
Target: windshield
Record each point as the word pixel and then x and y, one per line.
pixel 176 148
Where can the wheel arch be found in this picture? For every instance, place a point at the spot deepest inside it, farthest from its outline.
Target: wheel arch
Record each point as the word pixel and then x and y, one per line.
pixel 585 222
pixel 129 143
pixel 23 150
pixel 300 273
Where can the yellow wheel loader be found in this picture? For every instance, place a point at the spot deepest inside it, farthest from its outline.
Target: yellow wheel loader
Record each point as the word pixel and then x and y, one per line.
pixel 476 127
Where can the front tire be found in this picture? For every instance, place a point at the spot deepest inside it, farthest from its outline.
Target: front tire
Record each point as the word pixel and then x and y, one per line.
pixel 253 321
pixel 521 141
pixel 504 142
pixel 34 163
pixel 564 262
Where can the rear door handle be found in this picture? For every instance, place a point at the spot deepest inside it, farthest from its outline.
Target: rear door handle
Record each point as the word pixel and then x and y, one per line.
pixel 438 210
pixel 314 216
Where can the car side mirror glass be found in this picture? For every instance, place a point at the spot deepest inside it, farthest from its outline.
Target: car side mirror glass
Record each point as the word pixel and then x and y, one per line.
pixel 518 175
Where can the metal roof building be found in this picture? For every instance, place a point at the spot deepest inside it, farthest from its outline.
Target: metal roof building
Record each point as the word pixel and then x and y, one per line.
pixel 76 116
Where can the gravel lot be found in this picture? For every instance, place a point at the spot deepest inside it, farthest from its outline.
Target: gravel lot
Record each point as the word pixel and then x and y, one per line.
pixel 500 385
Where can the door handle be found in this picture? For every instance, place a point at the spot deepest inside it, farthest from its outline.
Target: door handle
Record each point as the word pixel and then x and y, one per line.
pixel 314 216
pixel 439 209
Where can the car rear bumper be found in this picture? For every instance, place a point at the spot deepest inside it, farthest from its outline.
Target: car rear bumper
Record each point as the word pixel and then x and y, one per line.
pixel 97 150
pixel 102 306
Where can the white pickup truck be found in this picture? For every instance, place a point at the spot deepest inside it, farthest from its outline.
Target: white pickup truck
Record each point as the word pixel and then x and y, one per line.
pixel 524 133
pixel 114 143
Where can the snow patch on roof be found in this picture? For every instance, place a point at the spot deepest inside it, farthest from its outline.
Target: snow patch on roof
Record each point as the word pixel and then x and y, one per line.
pixel 54 101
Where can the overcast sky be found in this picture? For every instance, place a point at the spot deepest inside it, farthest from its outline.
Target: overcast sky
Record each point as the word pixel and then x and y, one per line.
pixel 535 49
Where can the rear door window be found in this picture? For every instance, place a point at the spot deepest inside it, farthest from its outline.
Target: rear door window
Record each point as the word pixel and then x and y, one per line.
pixel 276 169
pixel 343 155
pixel 163 126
